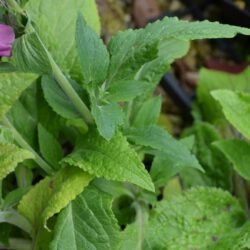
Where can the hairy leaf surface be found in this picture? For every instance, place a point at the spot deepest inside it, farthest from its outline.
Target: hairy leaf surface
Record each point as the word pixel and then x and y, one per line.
pixel 113 160
pixel 196 219
pixel 10 156
pixel 52 194
pixel 11 86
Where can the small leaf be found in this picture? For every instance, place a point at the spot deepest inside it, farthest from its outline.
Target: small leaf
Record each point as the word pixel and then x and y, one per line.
pixel 11 86
pixel 218 170
pixel 148 113
pixel 108 117
pixel 94 57
pixel 29 55
pixel 49 147
pixel 87 223
pixel 112 160
pixel 125 90
pixel 52 194
pixel 57 99
pixel 10 156
pixel 236 107
pixel 210 80
pixel 238 152
pixel 13 197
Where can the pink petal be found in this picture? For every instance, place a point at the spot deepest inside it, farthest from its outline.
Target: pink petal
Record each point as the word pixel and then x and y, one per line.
pixel 7 37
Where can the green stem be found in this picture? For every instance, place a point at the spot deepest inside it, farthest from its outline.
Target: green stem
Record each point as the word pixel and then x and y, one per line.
pixel 22 143
pixel 140 219
pixel 70 92
pixel 14 218
pixel 17 244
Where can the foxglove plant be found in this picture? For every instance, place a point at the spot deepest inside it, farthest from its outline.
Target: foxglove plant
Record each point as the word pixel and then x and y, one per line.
pixel 77 119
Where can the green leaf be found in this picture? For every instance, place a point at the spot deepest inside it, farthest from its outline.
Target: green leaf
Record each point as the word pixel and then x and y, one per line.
pixel 125 90
pixel 210 80
pixel 196 219
pixel 108 117
pixel 169 50
pixel 57 99
pixel 87 223
pixel 50 148
pixel 94 57
pixel 11 86
pixel 128 53
pixel 112 160
pixel 29 55
pixel 148 113
pixel 218 171
pixel 13 197
pixel 164 145
pixel 238 239
pixel 51 195
pixel 10 156
pixel 130 50
pixel 57 33
pixel 236 107
pixel 238 152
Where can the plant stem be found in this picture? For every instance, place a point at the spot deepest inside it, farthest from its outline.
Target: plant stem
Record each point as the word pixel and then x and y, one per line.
pixel 22 143
pixel 140 220
pixel 14 218
pixel 70 92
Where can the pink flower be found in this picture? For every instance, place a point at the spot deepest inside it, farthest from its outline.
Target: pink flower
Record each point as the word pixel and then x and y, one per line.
pixel 7 37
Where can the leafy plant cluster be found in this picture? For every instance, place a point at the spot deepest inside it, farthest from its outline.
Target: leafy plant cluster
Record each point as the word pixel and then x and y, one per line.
pixel 79 117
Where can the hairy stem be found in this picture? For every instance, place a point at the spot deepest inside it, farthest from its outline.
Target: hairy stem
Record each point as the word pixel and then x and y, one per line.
pixel 22 143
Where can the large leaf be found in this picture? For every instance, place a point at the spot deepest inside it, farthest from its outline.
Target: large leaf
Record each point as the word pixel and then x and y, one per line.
pixel 51 195
pixel 10 156
pixel 87 223
pixel 236 107
pixel 238 152
pixel 113 160
pixel 210 80
pixel 94 57
pixel 196 219
pixel 131 49
pixel 11 86
pixel 165 145
pixel 57 32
